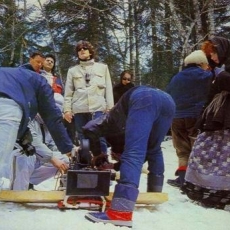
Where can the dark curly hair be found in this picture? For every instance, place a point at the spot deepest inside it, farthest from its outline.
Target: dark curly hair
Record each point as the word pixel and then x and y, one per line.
pixel 86 44
pixel 36 53
pixel 54 59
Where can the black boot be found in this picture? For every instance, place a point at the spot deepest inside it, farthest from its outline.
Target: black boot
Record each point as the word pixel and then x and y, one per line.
pixel 179 181
pixel 181 175
pixel 31 187
pixel 154 183
pixel 174 182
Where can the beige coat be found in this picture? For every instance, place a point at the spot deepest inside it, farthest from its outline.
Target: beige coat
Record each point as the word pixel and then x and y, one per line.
pixel 97 95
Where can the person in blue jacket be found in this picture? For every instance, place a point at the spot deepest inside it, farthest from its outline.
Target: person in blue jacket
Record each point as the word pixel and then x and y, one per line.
pixel 35 62
pixel 23 94
pixel 189 89
pixel 135 128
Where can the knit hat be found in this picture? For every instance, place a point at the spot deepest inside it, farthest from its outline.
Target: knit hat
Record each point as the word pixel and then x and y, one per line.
pixel 59 99
pixel 196 57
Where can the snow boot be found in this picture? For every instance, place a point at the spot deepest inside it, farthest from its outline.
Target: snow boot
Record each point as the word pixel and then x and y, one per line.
pixel 155 183
pixel 175 182
pixel 181 174
pixel 179 181
pixel 121 210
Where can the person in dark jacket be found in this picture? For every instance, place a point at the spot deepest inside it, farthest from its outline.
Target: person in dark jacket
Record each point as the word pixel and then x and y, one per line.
pixel 35 62
pixel 189 88
pixel 23 94
pixel 135 127
pixel 124 85
pixel 207 179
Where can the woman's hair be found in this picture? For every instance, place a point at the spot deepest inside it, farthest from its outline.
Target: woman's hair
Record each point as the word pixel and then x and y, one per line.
pixel 53 57
pixel 208 47
pixel 124 72
pixel 85 44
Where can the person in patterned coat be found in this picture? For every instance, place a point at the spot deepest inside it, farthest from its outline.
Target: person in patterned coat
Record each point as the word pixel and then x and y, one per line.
pixel 207 178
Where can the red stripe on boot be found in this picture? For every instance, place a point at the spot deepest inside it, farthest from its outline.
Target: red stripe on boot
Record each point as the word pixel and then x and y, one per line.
pixel 182 168
pixel 119 215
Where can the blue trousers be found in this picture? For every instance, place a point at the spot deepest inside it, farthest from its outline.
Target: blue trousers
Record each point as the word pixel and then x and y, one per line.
pixel 149 118
pixel 81 119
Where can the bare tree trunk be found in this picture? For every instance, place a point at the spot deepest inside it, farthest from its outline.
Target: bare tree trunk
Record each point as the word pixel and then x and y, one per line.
pixel 184 34
pixel 168 35
pixel 93 22
pixel 13 15
pixel 52 40
pixel 211 18
pixel 198 22
pixel 180 30
pixel 153 41
pixel 131 35
pixel 22 40
pixel 136 38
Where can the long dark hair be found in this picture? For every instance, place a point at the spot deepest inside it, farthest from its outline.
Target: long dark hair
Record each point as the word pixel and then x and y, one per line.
pixel 123 74
pixel 53 57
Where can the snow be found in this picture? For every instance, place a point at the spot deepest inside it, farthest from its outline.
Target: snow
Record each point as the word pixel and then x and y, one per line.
pixel 178 213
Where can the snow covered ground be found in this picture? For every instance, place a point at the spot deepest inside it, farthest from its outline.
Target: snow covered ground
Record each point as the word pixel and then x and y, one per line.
pixel 179 213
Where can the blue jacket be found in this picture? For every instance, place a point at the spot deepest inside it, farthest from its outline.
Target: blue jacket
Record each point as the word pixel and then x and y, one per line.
pixel 189 89
pixel 28 66
pixel 32 92
pixel 111 125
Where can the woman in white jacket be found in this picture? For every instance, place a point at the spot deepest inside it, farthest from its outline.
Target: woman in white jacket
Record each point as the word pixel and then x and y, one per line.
pixel 88 90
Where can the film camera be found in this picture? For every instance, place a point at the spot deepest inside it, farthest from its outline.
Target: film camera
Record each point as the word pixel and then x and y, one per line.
pixel 81 178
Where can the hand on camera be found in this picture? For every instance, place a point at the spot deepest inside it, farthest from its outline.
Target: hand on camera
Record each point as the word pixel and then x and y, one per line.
pixel 101 162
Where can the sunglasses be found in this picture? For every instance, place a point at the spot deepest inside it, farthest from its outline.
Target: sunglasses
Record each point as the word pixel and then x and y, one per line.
pixel 126 79
pixel 82 48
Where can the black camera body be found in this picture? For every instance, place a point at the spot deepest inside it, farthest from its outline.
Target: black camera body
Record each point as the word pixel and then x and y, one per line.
pixel 88 182
pixel 84 180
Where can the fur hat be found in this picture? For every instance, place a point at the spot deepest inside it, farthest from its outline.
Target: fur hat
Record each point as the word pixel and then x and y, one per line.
pixel 196 57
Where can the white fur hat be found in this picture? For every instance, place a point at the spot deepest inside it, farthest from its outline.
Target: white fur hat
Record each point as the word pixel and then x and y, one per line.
pixel 196 57
pixel 59 99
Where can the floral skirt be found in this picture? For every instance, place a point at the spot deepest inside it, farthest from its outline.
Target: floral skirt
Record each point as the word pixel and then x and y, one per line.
pixel 207 178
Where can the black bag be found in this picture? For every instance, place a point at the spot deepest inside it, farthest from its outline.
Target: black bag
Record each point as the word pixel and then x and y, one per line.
pixel 26 143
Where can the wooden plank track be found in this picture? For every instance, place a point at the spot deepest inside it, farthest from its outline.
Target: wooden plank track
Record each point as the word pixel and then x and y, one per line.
pixel 56 196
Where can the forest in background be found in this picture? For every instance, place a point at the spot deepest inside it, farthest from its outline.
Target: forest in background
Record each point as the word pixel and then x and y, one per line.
pixel 149 37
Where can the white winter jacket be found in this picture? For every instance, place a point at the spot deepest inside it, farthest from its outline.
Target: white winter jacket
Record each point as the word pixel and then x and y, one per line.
pixel 88 88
